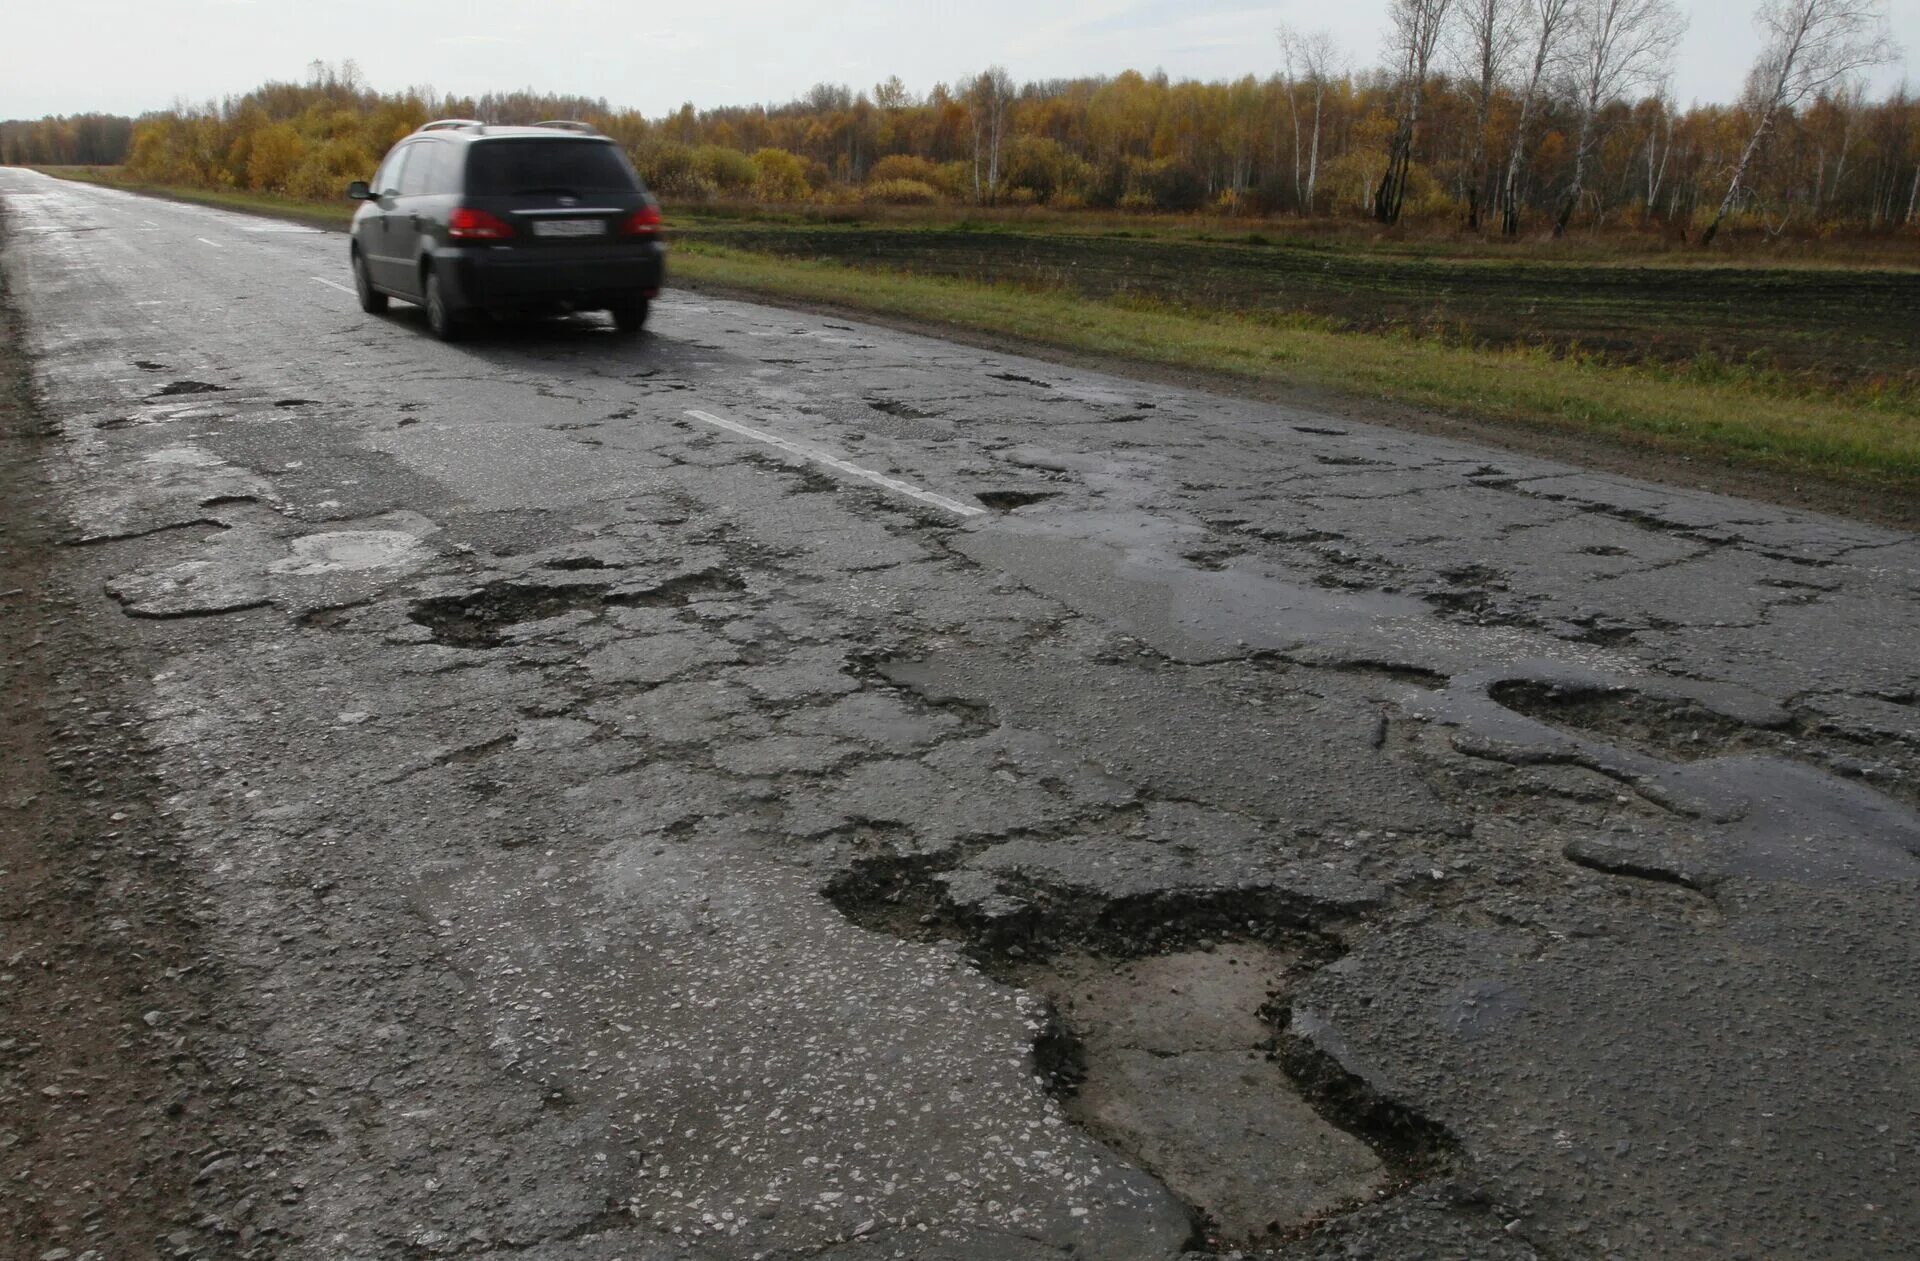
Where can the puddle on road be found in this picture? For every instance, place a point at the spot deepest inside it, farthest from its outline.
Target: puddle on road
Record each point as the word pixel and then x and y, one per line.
pixel 352 551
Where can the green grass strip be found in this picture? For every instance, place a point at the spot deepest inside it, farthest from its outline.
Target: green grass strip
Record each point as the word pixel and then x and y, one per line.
pixel 1867 442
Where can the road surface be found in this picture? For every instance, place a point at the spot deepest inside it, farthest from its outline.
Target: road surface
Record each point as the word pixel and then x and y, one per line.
pixel 781 787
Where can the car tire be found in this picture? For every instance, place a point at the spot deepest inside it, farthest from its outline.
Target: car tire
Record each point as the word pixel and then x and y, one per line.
pixel 372 301
pixel 630 314
pixel 440 317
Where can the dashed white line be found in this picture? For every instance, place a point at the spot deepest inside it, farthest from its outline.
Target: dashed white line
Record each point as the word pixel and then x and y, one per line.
pixel 215 244
pixel 331 285
pixel 835 462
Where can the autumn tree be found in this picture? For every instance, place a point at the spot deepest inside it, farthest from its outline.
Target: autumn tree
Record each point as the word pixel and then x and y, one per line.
pixel 1810 46
pixel 1311 60
pixel 1486 34
pixel 989 97
pixel 1615 47
pixel 1414 28
pixel 1545 23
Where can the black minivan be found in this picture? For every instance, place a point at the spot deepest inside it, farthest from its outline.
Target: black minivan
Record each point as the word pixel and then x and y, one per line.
pixel 466 217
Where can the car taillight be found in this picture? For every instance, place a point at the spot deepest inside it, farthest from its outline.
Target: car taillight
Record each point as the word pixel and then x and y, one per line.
pixel 477 225
pixel 642 222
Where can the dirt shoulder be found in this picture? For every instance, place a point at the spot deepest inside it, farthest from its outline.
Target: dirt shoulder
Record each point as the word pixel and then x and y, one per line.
pixel 106 1108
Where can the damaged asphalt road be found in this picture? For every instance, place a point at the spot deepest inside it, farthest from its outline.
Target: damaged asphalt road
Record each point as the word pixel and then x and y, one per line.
pixel 780 788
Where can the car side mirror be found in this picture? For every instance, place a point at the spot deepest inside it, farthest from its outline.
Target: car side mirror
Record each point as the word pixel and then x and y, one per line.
pixel 359 191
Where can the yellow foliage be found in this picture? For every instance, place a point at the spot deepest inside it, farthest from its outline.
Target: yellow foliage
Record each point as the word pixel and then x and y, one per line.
pixel 782 176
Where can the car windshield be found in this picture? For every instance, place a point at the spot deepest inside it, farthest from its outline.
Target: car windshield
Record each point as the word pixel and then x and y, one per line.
pixel 558 167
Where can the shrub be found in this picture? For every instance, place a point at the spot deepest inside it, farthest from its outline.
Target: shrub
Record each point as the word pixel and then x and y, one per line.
pixel 273 156
pixel 902 192
pixel 325 172
pixel 1042 165
pixel 728 171
pixel 781 176
pixel 903 166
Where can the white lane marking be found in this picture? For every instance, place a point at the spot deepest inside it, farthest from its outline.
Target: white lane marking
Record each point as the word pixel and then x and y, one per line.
pixel 150 223
pixel 331 285
pixel 835 462
pixel 215 244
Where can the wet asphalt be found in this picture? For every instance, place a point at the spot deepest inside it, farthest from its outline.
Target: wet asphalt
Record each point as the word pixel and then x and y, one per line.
pixel 781 787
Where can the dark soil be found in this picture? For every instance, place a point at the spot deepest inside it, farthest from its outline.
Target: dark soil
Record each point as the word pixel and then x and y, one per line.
pixel 1834 327
pixel 105 1112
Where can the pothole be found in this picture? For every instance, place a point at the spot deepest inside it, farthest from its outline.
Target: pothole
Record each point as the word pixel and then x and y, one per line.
pixel 894 407
pixel 1675 729
pixel 173 388
pixel 352 551
pixel 1173 1061
pixel 1672 730
pixel 1165 1040
pixel 480 619
pixel 1008 500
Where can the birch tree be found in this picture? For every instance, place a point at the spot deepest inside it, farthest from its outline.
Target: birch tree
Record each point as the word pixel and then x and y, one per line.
pixel 1545 24
pixel 1311 60
pixel 1413 33
pixel 989 97
pixel 1810 46
pixel 1485 37
pixel 1615 47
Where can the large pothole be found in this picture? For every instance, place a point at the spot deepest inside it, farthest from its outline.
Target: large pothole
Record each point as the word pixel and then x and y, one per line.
pixel 1174 1064
pixel 481 618
pixel 1167 1037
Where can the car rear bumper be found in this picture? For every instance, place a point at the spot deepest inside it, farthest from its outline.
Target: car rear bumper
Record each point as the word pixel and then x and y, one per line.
pixel 490 279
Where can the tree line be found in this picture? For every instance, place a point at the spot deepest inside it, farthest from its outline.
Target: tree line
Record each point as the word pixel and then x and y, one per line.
pixel 1499 114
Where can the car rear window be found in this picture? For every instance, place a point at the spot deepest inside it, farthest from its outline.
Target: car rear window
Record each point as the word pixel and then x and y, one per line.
pixel 504 168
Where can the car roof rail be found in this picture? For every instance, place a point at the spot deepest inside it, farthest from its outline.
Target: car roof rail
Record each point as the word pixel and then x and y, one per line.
pixel 570 124
pixel 450 124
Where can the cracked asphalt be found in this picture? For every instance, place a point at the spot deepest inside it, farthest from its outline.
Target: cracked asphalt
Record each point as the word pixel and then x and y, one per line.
pixel 787 788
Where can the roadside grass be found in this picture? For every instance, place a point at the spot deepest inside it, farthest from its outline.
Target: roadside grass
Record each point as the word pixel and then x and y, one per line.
pixel 1732 415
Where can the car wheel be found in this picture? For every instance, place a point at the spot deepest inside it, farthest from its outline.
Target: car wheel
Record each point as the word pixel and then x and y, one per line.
pixel 440 318
pixel 372 301
pixel 630 314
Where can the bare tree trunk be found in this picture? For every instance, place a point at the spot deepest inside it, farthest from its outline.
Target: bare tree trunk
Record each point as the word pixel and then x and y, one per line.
pixel 1487 34
pixel 1579 184
pixel 1313 157
pixel 1417 25
pixel 1293 111
pixel 1913 198
pixel 1739 174
pixel 1550 18
pixel 1655 178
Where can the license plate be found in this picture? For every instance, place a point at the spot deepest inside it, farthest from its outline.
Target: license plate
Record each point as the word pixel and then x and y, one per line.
pixel 569 227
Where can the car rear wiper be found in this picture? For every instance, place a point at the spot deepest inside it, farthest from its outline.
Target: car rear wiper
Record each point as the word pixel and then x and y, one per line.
pixel 557 190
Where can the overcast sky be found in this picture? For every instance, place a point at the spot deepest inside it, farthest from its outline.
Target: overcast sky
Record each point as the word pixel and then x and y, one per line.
pixel 126 56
